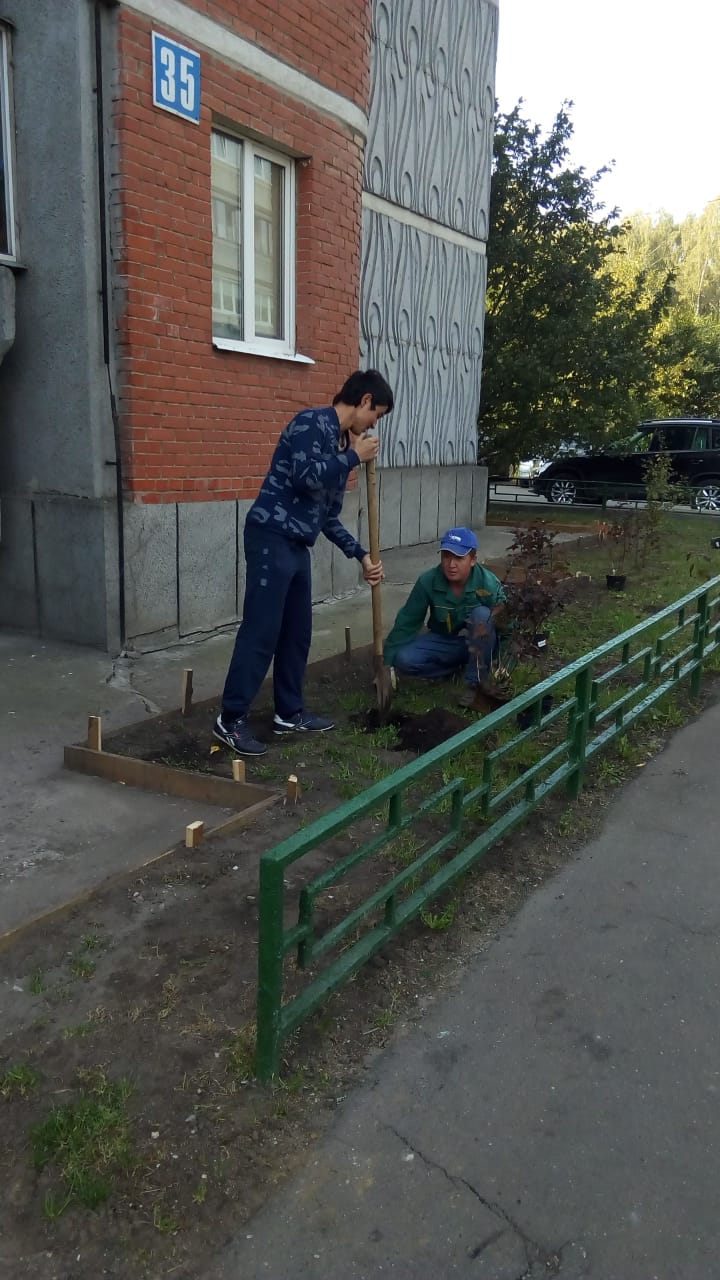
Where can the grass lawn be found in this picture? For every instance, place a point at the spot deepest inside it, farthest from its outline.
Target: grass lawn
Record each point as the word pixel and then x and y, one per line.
pixel 683 559
pixel 355 760
pixel 512 513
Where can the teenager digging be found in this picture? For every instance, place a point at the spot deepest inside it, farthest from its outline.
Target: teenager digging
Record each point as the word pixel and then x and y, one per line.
pixel 300 498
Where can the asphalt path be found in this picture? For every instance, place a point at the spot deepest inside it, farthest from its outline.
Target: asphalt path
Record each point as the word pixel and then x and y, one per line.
pixel 557 1113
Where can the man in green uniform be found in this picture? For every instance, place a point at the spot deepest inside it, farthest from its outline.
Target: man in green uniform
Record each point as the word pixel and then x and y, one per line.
pixel 463 605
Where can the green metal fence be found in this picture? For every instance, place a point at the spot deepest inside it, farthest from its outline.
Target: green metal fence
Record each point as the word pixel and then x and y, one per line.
pixel 594 700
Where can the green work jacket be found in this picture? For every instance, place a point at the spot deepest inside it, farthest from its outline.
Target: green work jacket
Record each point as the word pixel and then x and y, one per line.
pixel 433 599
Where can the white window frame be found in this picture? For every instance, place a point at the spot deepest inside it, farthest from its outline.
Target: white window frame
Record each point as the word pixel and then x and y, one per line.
pixel 7 138
pixel 282 348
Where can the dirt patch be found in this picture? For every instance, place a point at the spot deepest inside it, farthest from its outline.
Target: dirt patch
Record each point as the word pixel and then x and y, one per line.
pixel 153 983
pixel 416 733
pixel 332 686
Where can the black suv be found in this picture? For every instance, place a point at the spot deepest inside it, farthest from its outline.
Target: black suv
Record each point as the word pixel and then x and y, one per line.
pixel 693 445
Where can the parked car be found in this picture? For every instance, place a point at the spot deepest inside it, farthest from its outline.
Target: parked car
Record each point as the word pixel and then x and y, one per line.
pixel 693 445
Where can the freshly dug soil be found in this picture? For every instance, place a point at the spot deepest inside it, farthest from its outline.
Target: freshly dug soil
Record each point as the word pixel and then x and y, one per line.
pixel 417 733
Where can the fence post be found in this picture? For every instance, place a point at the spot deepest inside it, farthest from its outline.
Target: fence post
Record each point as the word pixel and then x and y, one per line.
pixel 701 624
pixel 578 739
pixel 270 968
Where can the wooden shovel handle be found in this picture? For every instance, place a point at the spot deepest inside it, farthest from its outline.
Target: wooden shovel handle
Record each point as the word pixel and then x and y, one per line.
pixel 374 539
pixel 373 510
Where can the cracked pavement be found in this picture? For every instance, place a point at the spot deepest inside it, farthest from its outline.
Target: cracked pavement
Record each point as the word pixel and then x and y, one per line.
pixel 61 832
pixel 535 1255
pixel 556 1112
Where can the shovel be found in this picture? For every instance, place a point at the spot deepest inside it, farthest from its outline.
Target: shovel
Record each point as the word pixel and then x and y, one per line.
pixel 382 678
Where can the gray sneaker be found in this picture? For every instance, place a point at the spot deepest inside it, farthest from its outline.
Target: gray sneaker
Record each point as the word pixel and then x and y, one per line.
pixel 302 722
pixel 237 736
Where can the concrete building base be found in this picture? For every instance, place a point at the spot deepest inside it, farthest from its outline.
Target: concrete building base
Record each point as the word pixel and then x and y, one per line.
pixel 58 568
pixel 184 567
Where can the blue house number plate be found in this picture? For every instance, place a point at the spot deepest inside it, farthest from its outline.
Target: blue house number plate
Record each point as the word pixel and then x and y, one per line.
pixel 176 78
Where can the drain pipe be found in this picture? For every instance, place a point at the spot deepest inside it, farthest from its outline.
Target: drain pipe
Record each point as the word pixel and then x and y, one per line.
pixel 107 315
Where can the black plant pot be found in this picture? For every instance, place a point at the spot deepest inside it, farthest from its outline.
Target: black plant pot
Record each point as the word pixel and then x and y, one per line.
pixel 615 581
pixel 540 641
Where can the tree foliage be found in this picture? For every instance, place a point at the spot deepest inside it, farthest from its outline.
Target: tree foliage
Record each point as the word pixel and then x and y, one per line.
pixel 590 325
pixel 687 336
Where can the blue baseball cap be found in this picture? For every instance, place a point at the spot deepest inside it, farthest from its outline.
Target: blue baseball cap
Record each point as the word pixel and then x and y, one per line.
pixel 459 541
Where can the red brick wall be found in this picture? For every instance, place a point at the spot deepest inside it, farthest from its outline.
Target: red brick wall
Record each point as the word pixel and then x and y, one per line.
pixel 327 39
pixel 197 423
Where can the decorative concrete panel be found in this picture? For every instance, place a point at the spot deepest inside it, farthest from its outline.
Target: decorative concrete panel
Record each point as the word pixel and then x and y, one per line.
pixel 421 323
pixel 70 558
pixel 346 574
pixel 207 565
pixel 463 496
pixel 444 494
pixel 410 509
pixel 150 568
pixel 243 507
pixel 479 496
pixel 322 577
pixel 432 105
pixel 429 493
pixel 390 501
pixel 447 499
pixel 18 603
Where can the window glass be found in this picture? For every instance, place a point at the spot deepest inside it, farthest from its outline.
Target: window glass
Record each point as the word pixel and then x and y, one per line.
pixel 226 177
pixel 253 220
pixel 269 179
pixel 701 439
pixel 673 438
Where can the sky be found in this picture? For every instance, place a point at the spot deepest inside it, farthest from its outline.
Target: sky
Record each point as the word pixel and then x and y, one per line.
pixel 644 78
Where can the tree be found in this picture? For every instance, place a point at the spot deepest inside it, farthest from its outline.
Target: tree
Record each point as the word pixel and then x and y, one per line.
pixel 686 338
pixel 687 376
pixel 699 273
pixel 568 354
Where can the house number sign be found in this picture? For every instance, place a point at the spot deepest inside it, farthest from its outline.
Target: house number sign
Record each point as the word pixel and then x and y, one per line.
pixel 176 78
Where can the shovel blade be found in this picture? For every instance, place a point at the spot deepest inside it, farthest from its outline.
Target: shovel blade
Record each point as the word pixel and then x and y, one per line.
pixel 383 687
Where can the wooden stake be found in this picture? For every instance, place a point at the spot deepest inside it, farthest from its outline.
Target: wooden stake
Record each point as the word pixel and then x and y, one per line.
pixel 348 645
pixel 293 789
pixel 187 692
pixel 238 768
pixel 94 738
pixel 194 833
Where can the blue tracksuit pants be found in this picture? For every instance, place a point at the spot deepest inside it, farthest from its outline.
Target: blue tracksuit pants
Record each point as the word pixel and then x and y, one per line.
pixel 276 624
pixel 433 656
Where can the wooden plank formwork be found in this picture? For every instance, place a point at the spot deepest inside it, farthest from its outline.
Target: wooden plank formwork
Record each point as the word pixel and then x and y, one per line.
pixel 247 798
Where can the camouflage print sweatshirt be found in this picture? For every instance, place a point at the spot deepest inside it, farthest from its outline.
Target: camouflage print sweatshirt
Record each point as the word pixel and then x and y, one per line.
pixel 302 493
